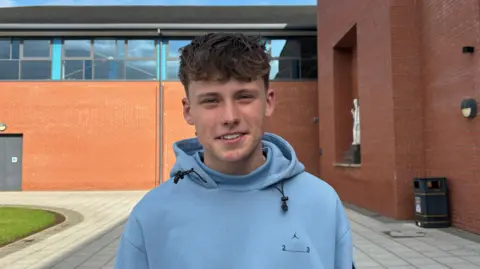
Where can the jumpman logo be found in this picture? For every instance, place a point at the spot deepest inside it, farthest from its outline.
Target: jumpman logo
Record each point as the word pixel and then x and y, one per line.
pixel 295 247
pixel 295 236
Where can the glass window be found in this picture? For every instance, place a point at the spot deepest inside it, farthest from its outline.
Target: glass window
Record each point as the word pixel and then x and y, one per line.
pixel 74 69
pixel 4 49
pixel 9 69
pixel 141 49
pixel 77 48
pixel 308 46
pixel 141 70
pixel 108 70
pixel 36 48
pixel 285 48
pixel 174 46
pixel 121 48
pixel 302 47
pixel 309 69
pixel 107 49
pixel 35 70
pixel 293 58
pixel 88 69
pixel 15 49
pixel 172 70
pixel 285 69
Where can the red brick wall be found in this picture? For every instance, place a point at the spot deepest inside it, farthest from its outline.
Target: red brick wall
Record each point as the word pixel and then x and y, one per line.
pixel 412 76
pixel 83 135
pixel 292 121
pixel 452 143
pixel 371 183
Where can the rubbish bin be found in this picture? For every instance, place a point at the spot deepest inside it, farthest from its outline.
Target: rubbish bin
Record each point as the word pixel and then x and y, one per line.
pixel 431 202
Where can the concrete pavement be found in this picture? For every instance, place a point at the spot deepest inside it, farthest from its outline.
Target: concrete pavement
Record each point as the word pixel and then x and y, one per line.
pixel 91 244
pixel 101 211
pixel 381 243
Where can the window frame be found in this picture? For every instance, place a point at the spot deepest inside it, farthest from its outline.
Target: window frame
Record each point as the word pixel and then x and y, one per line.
pixel 268 42
pixel 21 58
pixel 120 44
pixel 169 58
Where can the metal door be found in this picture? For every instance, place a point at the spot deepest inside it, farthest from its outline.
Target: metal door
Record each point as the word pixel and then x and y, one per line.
pixel 11 162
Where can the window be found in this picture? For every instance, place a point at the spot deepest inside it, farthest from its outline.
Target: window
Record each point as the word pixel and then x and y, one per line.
pixel 109 59
pixel 173 61
pixel 36 49
pixel 293 58
pixel 28 59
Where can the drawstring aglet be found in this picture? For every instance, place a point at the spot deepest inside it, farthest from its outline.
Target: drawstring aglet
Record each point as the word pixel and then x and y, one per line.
pixel 284 203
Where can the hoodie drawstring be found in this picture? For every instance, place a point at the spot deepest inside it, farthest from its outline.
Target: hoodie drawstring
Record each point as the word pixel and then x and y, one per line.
pixel 284 198
pixel 181 174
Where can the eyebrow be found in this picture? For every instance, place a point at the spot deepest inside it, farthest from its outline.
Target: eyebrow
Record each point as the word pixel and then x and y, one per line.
pixel 215 94
pixel 207 94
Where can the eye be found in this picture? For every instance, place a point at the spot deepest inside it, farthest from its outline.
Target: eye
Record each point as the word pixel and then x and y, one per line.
pixel 246 96
pixel 209 101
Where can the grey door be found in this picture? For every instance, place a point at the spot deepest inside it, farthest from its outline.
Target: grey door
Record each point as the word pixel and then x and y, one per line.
pixel 11 162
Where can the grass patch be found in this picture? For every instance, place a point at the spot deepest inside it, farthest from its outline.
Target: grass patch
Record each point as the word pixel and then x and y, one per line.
pixel 19 222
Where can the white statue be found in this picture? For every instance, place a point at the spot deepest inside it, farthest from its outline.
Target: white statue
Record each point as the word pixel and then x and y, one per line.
pixel 356 122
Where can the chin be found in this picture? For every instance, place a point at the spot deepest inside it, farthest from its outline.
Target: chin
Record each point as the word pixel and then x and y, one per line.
pixel 233 155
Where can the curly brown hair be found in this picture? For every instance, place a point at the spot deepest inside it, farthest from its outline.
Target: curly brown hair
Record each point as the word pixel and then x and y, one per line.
pixel 222 56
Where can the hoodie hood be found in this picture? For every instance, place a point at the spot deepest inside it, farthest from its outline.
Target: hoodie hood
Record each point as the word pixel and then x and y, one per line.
pixel 281 163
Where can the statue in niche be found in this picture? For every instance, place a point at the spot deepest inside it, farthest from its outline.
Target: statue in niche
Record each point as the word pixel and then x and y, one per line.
pixel 353 155
pixel 356 122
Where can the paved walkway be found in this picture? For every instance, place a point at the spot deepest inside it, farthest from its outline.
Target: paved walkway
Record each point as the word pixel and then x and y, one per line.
pixel 378 243
pixel 101 212
pixel 410 246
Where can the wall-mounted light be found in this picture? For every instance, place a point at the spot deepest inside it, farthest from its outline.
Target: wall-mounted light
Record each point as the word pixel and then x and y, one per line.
pixel 468 49
pixel 469 108
pixel 3 126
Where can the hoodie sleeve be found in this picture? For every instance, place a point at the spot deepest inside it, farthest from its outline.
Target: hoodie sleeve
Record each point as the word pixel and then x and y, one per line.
pixel 131 249
pixel 344 248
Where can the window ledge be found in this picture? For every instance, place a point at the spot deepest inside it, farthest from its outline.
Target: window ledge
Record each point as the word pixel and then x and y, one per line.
pixel 353 165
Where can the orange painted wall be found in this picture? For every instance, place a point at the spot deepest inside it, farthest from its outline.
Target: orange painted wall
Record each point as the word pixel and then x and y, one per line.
pixel 106 135
pixel 174 126
pixel 84 135
pixel 292 119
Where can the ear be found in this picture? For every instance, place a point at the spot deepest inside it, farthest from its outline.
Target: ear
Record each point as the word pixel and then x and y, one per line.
pixel 187 115
pixel 270 102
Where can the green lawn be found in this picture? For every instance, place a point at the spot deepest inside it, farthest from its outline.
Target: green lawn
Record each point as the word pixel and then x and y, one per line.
pixel 17 223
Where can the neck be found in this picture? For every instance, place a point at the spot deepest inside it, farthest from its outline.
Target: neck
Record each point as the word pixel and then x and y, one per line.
pixel 243 167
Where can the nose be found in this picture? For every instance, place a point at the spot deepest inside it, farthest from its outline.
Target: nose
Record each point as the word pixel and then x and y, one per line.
pixel 230 115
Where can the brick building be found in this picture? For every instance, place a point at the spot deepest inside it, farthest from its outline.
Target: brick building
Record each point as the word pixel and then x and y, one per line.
pixel 91 100
pixel 406 63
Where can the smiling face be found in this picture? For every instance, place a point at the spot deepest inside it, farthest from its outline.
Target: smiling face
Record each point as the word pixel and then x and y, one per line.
pixel 229 118
pixel 226 79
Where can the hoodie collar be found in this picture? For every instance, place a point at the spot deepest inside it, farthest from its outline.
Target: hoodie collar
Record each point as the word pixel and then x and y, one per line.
pixel 281 163
pixel 251 181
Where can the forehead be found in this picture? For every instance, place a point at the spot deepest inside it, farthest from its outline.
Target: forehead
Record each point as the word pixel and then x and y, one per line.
pixel 224 88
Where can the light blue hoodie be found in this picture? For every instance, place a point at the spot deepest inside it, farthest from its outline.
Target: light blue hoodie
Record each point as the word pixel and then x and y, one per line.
pixel 208 220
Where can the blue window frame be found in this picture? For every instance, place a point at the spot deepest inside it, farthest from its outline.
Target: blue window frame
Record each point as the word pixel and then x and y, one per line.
pixel 293 58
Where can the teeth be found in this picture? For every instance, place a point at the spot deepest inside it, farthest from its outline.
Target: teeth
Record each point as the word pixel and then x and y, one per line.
pixel 228 137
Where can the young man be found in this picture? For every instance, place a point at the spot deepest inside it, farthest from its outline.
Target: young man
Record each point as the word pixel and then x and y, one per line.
pixel 238 197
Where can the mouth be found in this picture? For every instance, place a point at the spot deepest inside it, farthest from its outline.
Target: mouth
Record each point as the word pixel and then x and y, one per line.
pixel 232 136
